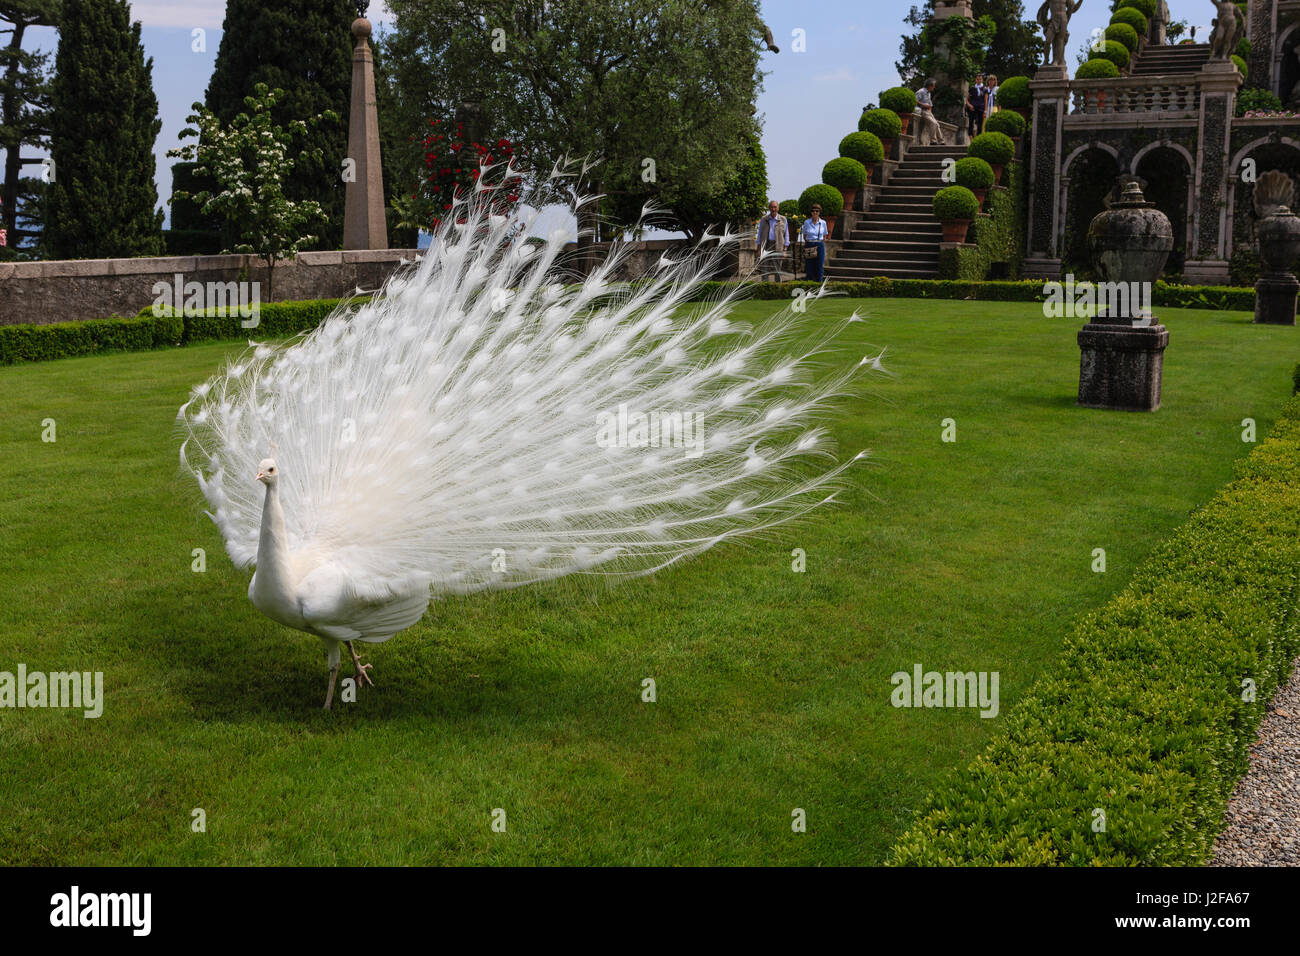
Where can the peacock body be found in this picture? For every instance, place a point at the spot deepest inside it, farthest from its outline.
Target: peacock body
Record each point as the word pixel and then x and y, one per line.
pixel 481 424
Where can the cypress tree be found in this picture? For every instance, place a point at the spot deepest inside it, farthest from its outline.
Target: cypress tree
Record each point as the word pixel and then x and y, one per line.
pixel 303 47
pixel 104 121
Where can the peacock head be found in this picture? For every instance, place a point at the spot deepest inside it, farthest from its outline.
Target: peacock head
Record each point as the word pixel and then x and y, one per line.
pixel 267 473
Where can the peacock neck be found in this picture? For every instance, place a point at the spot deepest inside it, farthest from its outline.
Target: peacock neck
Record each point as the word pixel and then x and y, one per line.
pixel 273 546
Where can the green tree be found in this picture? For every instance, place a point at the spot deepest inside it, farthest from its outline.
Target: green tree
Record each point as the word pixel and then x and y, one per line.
pixel 250 160
pixel 103 125
pixel 24 107
pixel 303 47
pixel 662 90
pixel 1016 49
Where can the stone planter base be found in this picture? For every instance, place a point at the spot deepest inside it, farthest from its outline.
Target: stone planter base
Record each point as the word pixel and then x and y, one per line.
pixel 1121 367
pixel 1275 300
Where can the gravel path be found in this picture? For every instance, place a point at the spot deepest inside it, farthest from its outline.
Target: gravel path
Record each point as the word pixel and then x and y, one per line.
pixel 1264 812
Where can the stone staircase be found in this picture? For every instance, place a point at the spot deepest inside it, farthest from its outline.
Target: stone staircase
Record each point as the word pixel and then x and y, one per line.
pixel 899 236
pixel 1169 60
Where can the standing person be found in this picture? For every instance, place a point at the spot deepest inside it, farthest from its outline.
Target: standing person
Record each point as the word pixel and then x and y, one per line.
pixel 773 237
pixel 976 103
pixel 815 233
pixel 930 133
pixel 991 91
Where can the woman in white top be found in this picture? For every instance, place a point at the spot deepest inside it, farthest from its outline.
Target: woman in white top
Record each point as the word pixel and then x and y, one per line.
pixel 814 233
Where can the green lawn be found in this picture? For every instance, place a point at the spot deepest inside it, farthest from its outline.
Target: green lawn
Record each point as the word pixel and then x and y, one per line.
pixel 773 687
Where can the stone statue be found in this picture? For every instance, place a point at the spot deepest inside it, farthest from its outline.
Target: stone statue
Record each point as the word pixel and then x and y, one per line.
pixel 1054 18
pixel 1229 28
pixel 1159 25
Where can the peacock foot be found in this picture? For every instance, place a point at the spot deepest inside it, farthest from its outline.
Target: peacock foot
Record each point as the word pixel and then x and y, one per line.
pixel 362 676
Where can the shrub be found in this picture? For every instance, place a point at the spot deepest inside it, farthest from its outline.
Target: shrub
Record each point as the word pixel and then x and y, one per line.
pixel 1145 7
pixel 1006 121
pixel 883 123
pixel 955 202
pixel 844 173
pixel 828 197
pixel 1252 100
pixel 1123 33
pixel 974 173
pixel 1295 379
pixel 1243 48
pixel 1144 710
pixel 1013 93
pixel 1097 70
pixel 788 207
pixel 996 149
pixel 1117 53
pixel 866 148
pixel 899 99
pixel 1240 64
pixel 1134 18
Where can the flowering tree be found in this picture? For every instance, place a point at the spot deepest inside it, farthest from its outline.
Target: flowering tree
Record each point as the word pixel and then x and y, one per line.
pixel 249 160
pixel 452 168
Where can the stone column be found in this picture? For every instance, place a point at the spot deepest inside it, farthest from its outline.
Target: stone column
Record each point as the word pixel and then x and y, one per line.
pixel 1261 29
pixel 1207 260
pixel 1051 91
pixel 943 9
pixel 363 216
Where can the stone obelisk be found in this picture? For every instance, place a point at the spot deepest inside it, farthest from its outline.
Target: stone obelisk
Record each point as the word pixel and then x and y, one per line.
pixel 363 217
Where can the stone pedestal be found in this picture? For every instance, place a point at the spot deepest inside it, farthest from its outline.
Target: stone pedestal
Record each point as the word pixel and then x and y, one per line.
pixel 1121 367
pixel 1275 300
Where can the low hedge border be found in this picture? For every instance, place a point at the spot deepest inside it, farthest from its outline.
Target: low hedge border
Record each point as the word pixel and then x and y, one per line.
pixel 1143 716
pixel 36 343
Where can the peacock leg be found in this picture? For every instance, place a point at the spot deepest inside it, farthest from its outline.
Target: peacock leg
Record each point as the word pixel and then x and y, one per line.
pixel 360 667
pixel 332 655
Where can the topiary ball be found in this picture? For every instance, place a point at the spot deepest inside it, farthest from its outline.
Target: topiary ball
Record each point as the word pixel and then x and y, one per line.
pixel 996 149
pixel 899 99
pixel 1123 33
pixel 828 197
pixel 974 173
pixel 1117 53
pixel 866 148
pixel 788 207
pixel 883 123
pixel 955 202
pixel 1005 121
pixel 1097 70
pixel 1145 7
pixel 1240 64
pixel 844 173
pixel 1134 18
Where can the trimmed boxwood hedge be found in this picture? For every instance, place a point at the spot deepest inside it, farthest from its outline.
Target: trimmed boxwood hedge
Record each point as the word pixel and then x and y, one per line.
pixel 844 173
pixel 865 147
pixel 1134 18
pixel 35 343
pixel 1007 122
pixel 828 197
pixel 1123 33
pixel 955 203
pixel 1143 716
pixel 1145 7
pixel 883 123
pixel 997 149
pixel 899 99
pixel 1116 52
pixel 1013 93
pixel 1097 70
pixel 973 173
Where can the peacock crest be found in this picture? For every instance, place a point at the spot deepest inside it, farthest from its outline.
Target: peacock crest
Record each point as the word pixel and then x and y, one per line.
pixel 1274 194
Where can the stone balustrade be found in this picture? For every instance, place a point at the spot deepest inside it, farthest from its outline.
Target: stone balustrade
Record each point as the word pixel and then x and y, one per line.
pixel 1126 95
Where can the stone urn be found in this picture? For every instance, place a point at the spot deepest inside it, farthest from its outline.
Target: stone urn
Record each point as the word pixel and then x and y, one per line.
pixel 1278 232
pixel 1121 362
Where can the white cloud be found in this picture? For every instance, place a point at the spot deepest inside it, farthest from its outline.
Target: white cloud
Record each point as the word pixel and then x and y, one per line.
pixel 842 75
pixel 208 14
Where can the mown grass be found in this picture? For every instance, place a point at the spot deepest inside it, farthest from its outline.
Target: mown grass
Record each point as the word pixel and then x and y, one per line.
pixel 773 687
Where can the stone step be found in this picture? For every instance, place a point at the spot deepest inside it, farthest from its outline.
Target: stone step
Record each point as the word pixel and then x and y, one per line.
pixel 858 256
pixel 858 275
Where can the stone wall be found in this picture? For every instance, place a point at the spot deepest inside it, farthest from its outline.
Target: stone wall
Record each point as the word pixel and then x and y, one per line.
pixel 64 291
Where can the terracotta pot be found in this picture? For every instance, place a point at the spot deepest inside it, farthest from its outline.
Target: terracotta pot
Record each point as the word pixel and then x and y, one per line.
pixel 954 230
pixel 980 194
pixel 870 169
pixel 830 226
pixel 849 195
pixel 1024 111
pixel 888 143
pixel 907 121
pixel 997 173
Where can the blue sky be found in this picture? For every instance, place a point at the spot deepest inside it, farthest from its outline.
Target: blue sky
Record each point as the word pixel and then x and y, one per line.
pixel 810 99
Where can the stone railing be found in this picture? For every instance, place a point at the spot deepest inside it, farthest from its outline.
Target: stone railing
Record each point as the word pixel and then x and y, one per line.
pixel 1134 94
